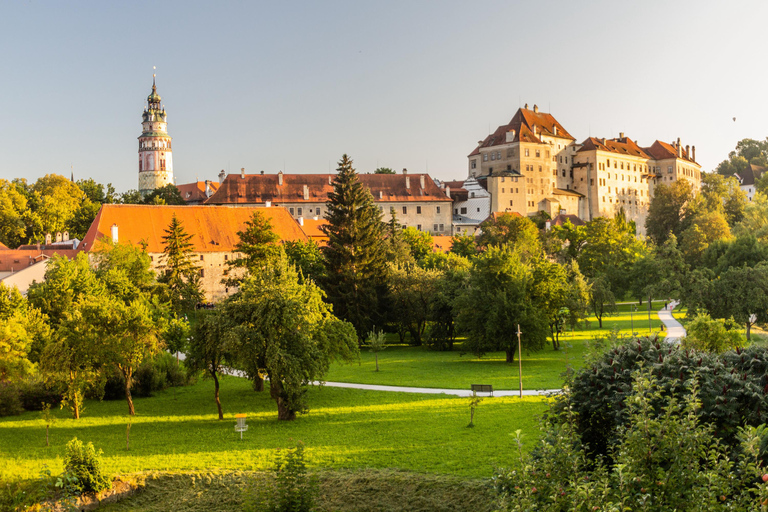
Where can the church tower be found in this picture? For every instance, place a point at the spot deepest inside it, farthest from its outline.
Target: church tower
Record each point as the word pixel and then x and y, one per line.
pixel 155 157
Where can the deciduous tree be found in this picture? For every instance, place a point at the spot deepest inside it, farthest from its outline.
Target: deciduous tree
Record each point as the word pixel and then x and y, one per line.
pixel 211 348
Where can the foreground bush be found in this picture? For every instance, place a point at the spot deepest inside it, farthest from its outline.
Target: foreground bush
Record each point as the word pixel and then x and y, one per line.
pixel 292 490
pixel 84 463
pixel 733 389
pixel 713 334
pixel 665 458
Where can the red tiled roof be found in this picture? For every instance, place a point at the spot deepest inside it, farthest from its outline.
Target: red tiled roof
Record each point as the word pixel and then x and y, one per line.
pixel 195 192
pixel 524 122
pixel 661 151
pixel 312 229
pixel 442 243
pixel 214 227
pixel 18 259
pixel 259 188
pixel 562 219
pixel 623 146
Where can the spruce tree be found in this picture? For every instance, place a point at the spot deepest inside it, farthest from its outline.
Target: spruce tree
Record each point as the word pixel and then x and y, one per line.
pixel 257 245
pixel 180 273
pixel 355 280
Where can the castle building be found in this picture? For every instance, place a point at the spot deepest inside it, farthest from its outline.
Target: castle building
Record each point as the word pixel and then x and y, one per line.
pixel 155 155
pixel 533 164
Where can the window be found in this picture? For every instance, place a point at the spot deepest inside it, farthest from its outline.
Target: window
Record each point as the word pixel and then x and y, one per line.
pixel 539 168
pixel 299 211
pixel 509 167
pixel 502 190
pixel 493 156
pixel 473 164
pixel 455 211
pixel 463 211
pixel 202 273
pixel 442 227
pixel 527 152
pixel 563 173
pixel 435 228
pixel 591 181
pixel 418 226
pixel 201 258
pixel 615 164
pixel 418 209
pixel 538 153
pixel 438 210
pixel 317 211
pixel 478 209
pixel 669 170
pixel 291 211
pixel 226 257
pixel 498 155
pixel 490 169
pixel 510 202
pixel 485 157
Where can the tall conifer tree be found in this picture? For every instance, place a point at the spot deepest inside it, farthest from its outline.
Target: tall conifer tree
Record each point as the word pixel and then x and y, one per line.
pixel 180 273
pixel 355 256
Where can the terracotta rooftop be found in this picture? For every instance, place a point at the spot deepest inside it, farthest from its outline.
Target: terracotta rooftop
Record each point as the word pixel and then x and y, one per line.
pixel 528 126
pixel 314 188
pixel 195 192
pixel 214 227
pixel 18 259
pixel 312 229
pixel 621 146
pixel 442 243
pixel 563 218
pixel 661 151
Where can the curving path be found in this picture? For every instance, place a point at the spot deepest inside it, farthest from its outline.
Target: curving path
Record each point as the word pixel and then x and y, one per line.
pixel 674 329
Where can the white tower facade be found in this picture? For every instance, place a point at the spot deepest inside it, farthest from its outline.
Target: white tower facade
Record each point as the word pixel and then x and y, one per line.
pixel 155 155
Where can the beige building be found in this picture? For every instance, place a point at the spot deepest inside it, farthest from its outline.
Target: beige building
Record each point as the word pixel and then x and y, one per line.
pixel 416 199
pixel 213 229
pixel 533 164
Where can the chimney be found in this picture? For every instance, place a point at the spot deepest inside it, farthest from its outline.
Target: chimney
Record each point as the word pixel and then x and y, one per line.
pixel 242 173
pixel 301 221
pixel 315 217
pixel 405 171
pixel 421 178
pixel 280 178
pixel 535 130
pixel 448 191
pixel 381 195
pixel 66 236
pixel 58 236
pixel 267 204
pixel 407 182
pixel 679 149
pixel 47 239
pixel 222 175
pixel 330 179
pixel 549 225
pixel 114 233
pixel 535 109
pixel 526 106
pixel 554 130
pixel 621 135
pixel 262 173
pixel 693 153
pixel 688 150
pixel 306 192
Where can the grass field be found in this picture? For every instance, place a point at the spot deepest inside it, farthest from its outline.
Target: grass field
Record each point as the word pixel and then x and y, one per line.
pixel 421 367
pixel 344 429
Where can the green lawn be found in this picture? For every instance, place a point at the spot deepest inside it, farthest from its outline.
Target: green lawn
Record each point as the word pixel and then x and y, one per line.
pixel 420 367
pixel 344 429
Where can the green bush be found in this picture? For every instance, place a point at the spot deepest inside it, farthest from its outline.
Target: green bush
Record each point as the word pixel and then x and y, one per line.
pixel 34 392
pixel 10 400
pixel 733 389
pixel 666 458
pixel 84 463
pixel 159 373
pixel 713 334
pixel 292 490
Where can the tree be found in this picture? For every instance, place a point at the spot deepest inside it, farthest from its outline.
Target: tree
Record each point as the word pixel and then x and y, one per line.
pixel 419 242
pixel 96 192
pixel 395 246
pixel 22 329
pixel 180 274
pixel 571 240
pixel 376 343
pixel 13 209
pixel 284 327
pixel 464 245
pixel 168 194
pixel 667 213
pixel 384 170
pixel 601 298
pixel 704 229
pixel 307 257
pixel 53 202
pixel 551 294
pixel 748 151
pixel 712 335
pixel 210 349
pixel 355 259
pixel 256 244
pixel 410 290
pixel 723 195
pixel 449 285
pixel 742 293
pixel 131 196
pixel 755 219
pixel 512 229
pixel 497 299
pixel 744 250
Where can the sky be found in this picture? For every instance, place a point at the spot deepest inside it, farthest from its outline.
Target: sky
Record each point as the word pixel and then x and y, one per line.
pixel 292 86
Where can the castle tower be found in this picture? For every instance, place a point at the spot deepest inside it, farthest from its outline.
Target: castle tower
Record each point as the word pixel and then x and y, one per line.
pixel 155 156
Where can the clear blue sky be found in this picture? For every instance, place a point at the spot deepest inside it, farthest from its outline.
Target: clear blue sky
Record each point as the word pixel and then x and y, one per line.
pixel 293 85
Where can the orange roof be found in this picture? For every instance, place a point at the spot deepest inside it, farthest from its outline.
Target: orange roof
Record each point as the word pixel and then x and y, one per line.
pixel 528 125
pixel 260 188
pixel 214 227
pixel 18 259
pixel 661 151
pixel 312 229
pixel 195 192
pixel 3 246
pixel 621 146
pixel 442 243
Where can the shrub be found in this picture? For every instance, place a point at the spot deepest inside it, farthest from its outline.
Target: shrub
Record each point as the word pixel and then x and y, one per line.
pixel 84 463
pixel 666 459
pixel 34 393
pixel 10 399
pixel 713 334
pixel 156 374
pixel 733 388
pixel 292 489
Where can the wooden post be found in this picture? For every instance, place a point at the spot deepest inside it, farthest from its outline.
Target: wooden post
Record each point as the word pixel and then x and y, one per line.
pixel 519 361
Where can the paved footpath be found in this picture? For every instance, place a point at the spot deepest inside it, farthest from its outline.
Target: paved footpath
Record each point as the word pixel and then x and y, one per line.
pixel 675 330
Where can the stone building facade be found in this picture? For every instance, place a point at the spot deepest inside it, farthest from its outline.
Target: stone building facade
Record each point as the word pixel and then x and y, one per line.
pixel 415 198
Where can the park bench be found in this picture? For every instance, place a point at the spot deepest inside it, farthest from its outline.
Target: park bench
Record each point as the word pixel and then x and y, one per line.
pixel 482 388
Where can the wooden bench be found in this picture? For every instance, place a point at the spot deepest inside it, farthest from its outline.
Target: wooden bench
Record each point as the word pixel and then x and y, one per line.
pixel 482 388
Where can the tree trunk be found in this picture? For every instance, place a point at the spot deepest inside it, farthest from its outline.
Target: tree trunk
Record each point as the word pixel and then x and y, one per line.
pixel 600 321
pixel 510 356
pixel 216 393
pixel 128 382
pixel 74 396
pixel 46 434
pixel 258 383
pixel 377 361
pixel 284 412
pixel 749 330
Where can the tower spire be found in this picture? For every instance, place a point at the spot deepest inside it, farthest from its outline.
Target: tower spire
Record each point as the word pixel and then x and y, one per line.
pixel 155 154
